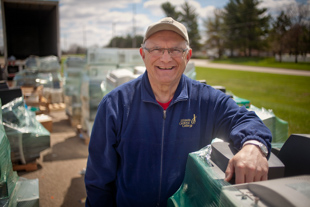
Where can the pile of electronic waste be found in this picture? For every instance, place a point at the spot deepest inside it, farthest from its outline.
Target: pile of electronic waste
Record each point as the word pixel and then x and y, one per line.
pixel 288 181
pixel 42 71
pixel 15 191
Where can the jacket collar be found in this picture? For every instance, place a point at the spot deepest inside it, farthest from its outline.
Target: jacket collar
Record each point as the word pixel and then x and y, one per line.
pixel 147 94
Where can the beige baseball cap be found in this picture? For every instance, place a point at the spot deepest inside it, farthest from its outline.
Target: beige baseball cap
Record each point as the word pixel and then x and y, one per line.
pixel 167 23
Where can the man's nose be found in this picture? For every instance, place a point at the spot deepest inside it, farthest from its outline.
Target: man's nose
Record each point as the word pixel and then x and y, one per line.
pixel 166 56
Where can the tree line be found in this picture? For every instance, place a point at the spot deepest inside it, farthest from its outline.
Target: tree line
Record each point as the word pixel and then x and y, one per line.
pixel 244 27
pixel 241 28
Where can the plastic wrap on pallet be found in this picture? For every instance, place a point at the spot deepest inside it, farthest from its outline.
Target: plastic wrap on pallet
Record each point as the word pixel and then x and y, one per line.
pixel 102 56
pixel 27 193
pixel 43 64
pixel 33 78
pixel 92 88
pixel 92 91
pixel 56 80
pixel 56 96
pixel 73 106
pixel 36 78
pixel 74 110
pixel 27 136
pixel 74 62
pixel 190 70
pixel 40 66
pixel 100 71
pixel 53 95
pixel 89 108
pixel 277 126
pixel 8 177
pixel 130 56
pixel 73 99
pixel 201 185
pixel 70 89
pixel 73 72
pixel 73 81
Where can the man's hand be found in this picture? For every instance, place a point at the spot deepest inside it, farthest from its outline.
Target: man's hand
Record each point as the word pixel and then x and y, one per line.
pixel 249 165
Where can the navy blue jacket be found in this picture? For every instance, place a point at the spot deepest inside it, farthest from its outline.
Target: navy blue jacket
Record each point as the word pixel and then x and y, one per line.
pixel 138 151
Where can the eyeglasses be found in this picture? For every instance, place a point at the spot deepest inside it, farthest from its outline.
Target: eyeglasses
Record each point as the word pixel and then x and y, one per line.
pixel 173 52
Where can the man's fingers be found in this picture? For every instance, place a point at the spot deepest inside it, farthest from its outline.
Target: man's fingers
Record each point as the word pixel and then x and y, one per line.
pixel 240 174
pixel 251 174
pixel 261 173
pixel 248 165
pixel 265 177
pixel 229 171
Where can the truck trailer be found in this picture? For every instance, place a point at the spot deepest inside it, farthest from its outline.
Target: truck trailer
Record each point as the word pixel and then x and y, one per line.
pixel 30 27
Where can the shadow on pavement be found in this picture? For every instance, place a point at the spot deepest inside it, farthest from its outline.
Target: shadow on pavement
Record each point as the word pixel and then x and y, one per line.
pixel 70 148
pixel 76 193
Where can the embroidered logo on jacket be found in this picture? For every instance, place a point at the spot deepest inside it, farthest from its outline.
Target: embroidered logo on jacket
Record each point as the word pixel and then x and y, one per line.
pixel 188 122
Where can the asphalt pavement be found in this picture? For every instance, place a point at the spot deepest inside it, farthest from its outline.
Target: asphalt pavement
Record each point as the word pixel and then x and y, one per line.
pixel 60 168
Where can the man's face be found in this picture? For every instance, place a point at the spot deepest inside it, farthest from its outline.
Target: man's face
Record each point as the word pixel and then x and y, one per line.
pixel 165 69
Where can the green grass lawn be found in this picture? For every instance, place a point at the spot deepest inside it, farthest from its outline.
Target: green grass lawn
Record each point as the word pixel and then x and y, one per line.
pixel 288 96
pixel 264 62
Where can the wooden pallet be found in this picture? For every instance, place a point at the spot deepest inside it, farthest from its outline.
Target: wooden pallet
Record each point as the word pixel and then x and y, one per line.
pixel 75 121
pixel 32 166
pixel 56 106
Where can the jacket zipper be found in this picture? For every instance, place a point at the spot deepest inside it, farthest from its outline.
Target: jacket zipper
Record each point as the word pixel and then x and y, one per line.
pixel 161 157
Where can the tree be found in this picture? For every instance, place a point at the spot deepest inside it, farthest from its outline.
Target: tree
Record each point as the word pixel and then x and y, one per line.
pixel 76 49
pixel 170 11
pixel 298 35
pixel 278 34
pixel 126 42
pixel 189 19
pixel 231 21
pixel 247 25
pixel 215 32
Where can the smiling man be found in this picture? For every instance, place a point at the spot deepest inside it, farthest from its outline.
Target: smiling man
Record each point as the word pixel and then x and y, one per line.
pixel 145 128
pixel 168 54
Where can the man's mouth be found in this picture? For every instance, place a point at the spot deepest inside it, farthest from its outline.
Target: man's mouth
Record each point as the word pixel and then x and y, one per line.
pixel 165 68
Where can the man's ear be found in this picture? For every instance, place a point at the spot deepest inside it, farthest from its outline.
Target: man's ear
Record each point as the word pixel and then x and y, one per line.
pixel 142 53
pixel 189 54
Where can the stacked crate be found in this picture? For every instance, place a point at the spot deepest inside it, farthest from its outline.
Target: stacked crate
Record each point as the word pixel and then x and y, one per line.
pixel 42 71
pixel 73 73
pixel 99 63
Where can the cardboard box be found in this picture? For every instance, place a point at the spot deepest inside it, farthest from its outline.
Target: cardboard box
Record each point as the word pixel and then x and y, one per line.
pixel 46 121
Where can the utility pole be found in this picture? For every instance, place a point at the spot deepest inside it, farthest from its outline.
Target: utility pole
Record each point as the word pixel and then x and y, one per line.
pixel 84 38
pixel 65 42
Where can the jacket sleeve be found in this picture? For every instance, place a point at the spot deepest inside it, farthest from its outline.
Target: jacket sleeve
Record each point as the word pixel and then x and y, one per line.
pixel 102 159
pixel 237 124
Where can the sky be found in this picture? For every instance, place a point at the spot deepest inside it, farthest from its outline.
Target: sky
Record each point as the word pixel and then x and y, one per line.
pixel 91 23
